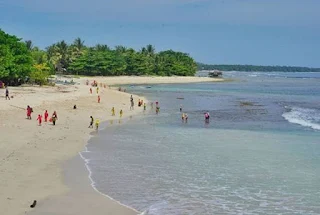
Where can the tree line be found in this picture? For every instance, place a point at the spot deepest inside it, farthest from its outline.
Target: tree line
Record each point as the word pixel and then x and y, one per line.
pixel 21 61
pixel 253 68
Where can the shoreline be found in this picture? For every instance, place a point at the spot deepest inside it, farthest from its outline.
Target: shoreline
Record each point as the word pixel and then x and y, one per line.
pixel 32 163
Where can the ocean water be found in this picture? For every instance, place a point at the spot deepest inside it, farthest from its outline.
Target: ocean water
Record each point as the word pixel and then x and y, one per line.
pixel 260 153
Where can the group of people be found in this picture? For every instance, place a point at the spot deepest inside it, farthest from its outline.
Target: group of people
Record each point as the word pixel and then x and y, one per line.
pixel 53 118
pixel 97 122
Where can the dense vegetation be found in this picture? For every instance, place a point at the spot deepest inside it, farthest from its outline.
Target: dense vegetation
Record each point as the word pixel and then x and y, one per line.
pixel 250 68
pixel 21 61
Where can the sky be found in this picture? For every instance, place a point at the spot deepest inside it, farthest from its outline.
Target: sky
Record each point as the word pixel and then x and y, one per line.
pixel 259 32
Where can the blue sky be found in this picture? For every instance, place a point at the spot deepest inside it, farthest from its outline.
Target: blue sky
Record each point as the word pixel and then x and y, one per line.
pixel 264 32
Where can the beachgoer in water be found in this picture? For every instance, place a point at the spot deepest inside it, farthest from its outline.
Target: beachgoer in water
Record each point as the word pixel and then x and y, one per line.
pixel 182 116
pixel 91 122
pixel 121 113
pixel 144 106
pixel 186 118
pixel 180 108
pixel 7 93
pixel 97 124
pixel 29 111
pixel 157 109
pixel 54 117
pixel 46 116
pixel 207 117
pixel 132 105
pixel 39 119
pixel 113 112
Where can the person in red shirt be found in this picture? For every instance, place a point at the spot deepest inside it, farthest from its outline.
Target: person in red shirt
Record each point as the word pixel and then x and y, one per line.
pixel 98 99
pixel 29 111
pixel 90 90
pixel 46 116
pixel 39 119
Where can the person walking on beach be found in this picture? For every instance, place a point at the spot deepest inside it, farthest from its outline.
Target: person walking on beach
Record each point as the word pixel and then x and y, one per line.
pixel 39 119
pixel 46 116
pixel 91 122
pixel 7 93
pixel 90 90
pixel 121 113
pixel 112 112
pixel 54 117
pixel 29 111
pixel 98 99
pixel 97 90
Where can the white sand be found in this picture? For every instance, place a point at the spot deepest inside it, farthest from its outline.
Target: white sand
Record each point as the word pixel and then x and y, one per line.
pixel 32 156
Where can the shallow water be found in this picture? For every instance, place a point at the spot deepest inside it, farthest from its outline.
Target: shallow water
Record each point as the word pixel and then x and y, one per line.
pixel 259 158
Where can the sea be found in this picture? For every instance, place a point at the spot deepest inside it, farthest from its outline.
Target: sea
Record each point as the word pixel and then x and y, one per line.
pixel 259 154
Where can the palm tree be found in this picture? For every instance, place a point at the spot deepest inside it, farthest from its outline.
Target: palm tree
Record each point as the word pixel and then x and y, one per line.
pixel 29 44
pixel 79 44
pixel 150 49
pixel 120 49
pixel 102 48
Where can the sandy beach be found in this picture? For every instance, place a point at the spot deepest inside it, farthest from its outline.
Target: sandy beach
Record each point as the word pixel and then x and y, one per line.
pixel 33 156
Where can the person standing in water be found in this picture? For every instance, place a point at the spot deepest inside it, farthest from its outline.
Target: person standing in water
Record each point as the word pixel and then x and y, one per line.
pixel 7 93
pixel 97 124
pixel 180 108
pixel 144 106
pixel 186 118
pixel 54 117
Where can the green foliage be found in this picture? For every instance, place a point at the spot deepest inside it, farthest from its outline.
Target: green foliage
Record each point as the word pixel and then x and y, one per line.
pixel 249 68
pixel 20 60
pixel 15 59
pixel 39 74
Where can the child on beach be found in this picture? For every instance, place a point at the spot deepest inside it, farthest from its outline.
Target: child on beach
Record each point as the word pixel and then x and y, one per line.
pixel 91 122
pixel 97 124
pixel 113 112
pixel 98 99
pixel 46 116
pixel 121 112
pixel 39 119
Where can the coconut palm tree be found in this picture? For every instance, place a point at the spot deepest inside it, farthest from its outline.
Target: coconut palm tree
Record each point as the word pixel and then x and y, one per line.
pixel 121 49
pixel 29 44
pixel 79 44
pixel 102 48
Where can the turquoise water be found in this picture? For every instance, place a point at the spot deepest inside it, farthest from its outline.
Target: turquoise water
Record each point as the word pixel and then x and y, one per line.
pixel 258 159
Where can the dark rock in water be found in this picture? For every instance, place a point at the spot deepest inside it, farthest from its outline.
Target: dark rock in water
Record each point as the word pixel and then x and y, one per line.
pixel 180 98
